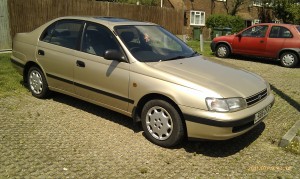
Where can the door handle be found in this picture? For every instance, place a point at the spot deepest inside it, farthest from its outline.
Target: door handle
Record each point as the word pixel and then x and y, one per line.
pixel 80 63
pixel 41 52
pixel 261 41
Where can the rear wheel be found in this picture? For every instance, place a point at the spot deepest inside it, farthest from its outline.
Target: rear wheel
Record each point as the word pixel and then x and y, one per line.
pixel 37 83
pixel 222 51
pixel 288 59
pixel 162 123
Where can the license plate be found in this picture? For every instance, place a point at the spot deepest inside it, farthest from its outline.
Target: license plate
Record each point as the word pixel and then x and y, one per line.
pixel 262 113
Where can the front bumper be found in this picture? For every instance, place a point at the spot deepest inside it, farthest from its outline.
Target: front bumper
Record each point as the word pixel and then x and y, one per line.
pixel 221 126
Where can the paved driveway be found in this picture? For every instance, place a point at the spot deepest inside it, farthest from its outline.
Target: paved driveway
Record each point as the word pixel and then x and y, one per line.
pixel 62 137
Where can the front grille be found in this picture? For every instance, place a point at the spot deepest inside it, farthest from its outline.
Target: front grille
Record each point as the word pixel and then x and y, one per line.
pixel 257 97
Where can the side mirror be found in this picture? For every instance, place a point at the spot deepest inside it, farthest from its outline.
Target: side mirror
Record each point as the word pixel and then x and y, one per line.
pixel 238 35
pixel 111 54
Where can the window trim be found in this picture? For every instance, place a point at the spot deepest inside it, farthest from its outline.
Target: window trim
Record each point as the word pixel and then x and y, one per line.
pixel 200 12
pixel 86 24
pixel 257 3
pixel 55 24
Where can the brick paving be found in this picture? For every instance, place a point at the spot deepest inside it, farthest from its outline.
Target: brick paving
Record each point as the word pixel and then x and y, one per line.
pixel 62 137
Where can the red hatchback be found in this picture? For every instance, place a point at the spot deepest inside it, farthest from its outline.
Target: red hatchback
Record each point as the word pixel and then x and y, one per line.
pixel 277 41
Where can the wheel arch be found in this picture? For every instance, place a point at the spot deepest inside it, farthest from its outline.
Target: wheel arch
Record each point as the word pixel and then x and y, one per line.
pixel 225 43
pixel 28 65
pixel 137 111
pixel 296 51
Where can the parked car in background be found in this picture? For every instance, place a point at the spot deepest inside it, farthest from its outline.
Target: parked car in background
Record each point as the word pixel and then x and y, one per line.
pixel 143 71
pixel 270 40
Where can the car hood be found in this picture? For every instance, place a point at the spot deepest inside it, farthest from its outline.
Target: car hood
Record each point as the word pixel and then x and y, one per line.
pixel 222 79
pixel 224 38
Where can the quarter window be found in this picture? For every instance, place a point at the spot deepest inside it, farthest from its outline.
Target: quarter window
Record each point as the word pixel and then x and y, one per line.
pixel 280 32
pixel 63 33
pixel 197 18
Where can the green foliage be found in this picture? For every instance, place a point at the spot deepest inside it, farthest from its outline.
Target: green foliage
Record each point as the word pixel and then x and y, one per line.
pixel 222 21
pixel 10 80
pixel 195 45
pixel 287 10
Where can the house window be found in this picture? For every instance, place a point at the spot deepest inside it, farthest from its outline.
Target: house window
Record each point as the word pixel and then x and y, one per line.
pixel 222 0
pixel 256 21
pixel 197 18
pixel 276 21
pixel 258 3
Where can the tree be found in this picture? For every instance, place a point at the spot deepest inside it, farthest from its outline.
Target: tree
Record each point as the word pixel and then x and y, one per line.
pixel 287 10
pixel 232 7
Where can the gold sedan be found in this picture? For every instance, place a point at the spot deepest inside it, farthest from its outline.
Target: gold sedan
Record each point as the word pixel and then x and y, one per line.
pixel 143 71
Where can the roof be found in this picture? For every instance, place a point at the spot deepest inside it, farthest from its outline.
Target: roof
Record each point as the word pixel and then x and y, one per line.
pixel 177 4
pixel 108 21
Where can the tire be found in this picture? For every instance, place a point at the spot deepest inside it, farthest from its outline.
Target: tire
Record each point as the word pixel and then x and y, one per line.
pixel 37 83
pixel 289 59
pixel 162 123
pixel 222 51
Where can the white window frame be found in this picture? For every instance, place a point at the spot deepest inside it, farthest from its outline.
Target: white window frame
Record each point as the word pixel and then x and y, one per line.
pixel 256 21
pixel 222 0
pixel 276 21
pixel 258 3
pixel 200 15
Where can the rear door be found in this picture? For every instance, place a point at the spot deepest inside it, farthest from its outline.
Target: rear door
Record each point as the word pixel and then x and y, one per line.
pixel 55 53
pixel 252 41
pixel 97 79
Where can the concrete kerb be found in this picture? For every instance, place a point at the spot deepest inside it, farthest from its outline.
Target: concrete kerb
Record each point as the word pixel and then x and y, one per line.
pixel 290 135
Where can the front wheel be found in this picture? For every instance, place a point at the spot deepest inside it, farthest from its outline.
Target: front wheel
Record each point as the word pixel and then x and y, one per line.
pixel 222 51
pixel 37 83
pixel 162 123
pixel 289 59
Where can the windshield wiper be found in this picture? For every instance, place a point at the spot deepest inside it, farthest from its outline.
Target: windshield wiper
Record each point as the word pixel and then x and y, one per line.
pixel 175 58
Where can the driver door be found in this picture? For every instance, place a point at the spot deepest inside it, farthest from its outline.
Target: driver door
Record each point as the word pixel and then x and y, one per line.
pixel 97 79
pixel 252 41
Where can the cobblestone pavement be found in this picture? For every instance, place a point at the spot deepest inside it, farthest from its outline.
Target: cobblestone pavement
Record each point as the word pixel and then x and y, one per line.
pixel 62 137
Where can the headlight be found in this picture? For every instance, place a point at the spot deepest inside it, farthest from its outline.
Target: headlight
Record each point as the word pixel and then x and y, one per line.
pixel 225 105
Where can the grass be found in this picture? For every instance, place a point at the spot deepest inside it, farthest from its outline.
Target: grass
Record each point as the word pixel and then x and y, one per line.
pixel 294 147
pixel 196 46
pixel 10 80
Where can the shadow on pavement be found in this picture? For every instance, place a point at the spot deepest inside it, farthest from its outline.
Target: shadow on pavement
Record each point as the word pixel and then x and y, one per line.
pixel 259 60
pixel 287 98
pixel 99 111
pixel 208 148
pixel 224 148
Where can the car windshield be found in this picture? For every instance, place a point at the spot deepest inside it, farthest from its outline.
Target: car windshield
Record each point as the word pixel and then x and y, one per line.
pixel 298 27
pixel 150 43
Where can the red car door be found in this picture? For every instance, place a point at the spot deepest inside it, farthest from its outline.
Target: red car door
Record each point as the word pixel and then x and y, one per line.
pixel 278 37
pixel 252 41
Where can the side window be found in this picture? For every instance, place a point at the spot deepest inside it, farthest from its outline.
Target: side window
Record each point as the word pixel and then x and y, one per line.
pixel 285 33
pixel 97 39
pixel 280 32
pixel 274 32
pixel 63 33
pixel 130 36
pixel 256 31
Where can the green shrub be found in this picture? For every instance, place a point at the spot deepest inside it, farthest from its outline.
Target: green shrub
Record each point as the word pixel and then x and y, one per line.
pixel 236 23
